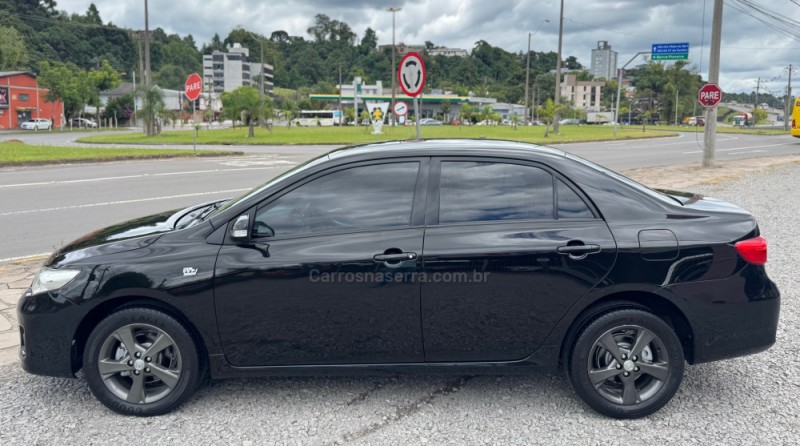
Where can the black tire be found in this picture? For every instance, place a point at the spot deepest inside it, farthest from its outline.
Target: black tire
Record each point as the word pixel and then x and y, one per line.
pixel 626 380
pixel 163 372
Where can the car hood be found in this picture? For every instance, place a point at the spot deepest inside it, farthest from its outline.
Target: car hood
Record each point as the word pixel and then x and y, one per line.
pixel 125 236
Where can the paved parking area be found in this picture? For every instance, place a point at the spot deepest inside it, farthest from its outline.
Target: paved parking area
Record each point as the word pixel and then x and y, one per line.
pixel 750 400
pixel 14 279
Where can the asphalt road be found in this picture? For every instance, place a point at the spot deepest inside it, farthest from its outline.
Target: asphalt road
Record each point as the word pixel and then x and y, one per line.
pixel 41 208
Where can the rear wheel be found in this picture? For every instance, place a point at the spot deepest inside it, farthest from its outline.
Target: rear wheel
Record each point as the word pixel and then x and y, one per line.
pixel 140 361
pixel 627 364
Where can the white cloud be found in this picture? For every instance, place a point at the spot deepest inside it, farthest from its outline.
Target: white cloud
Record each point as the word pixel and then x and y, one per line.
pixel 750 49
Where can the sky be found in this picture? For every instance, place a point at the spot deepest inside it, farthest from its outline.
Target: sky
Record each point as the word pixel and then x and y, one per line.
pixel 749 49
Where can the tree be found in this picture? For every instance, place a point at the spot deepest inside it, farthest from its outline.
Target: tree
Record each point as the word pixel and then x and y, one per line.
pixel 369 42
pixel 245 103
pixel 66 83
pixel 120 108
pixel 152 109
pixel 446 106
pixel 13 54
pixel 467 112
pixel 515 120
pixel 548 112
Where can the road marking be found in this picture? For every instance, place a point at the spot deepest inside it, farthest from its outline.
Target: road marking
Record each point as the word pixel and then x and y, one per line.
pixel 43 255
pixel 145 175
pixel 745 148
pixel 748 151
pixel 113 203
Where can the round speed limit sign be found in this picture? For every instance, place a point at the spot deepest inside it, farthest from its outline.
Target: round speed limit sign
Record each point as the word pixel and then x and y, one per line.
pixel 400 108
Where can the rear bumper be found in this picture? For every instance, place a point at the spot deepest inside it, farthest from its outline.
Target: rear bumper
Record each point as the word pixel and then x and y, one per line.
pixel 733 317
pixel 46 335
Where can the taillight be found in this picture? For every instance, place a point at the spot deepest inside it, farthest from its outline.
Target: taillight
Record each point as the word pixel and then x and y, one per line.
pixel 794 125
pixel 753 250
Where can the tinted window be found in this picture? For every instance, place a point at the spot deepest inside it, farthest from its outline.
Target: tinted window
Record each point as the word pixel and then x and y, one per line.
pixel 367 197
pixel 570 205
pixel 486 191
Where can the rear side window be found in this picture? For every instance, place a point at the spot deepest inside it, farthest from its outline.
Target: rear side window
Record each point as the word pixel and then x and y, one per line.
pixel 472 191
pixel 359 198
pixel 570 205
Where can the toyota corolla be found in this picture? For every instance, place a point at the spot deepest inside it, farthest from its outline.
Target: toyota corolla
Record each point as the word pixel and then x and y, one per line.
pixel 482 256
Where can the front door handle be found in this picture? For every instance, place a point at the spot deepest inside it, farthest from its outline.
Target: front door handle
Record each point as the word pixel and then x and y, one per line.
pixel 395 257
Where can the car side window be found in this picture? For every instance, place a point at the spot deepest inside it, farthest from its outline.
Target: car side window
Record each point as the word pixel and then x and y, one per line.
pixel 570 205
pixel 358 198
pixel 472 191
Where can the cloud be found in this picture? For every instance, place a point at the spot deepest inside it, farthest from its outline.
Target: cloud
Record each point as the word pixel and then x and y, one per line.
pixel 750 49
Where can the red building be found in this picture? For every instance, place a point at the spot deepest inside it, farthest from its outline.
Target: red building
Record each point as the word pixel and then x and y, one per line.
pixel 21 99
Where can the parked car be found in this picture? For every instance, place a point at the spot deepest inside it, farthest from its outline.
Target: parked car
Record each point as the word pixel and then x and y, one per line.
pixel 36 124
pixel 429 121
pixel 476 256
pixel 695 121
pixel 84 123
pixel 569 122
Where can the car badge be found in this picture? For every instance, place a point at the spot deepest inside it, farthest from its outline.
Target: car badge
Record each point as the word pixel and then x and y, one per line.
pixel 189 272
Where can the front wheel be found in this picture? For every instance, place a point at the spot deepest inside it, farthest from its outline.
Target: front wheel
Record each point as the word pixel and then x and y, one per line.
pixel 141 361
pixel 626 364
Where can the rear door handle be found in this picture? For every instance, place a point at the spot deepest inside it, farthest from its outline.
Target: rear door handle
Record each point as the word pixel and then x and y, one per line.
pixel 578 250
pixel 398 257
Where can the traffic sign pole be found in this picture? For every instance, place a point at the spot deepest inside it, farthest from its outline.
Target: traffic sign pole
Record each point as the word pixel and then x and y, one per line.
pixel 416 113
pixel 192 89
pixel 411 75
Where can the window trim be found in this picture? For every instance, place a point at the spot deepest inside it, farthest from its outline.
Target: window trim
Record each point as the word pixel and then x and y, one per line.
pixel 434 182
pixel 418 202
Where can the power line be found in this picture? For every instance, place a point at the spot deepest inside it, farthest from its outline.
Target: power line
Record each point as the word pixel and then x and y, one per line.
pixel 777 21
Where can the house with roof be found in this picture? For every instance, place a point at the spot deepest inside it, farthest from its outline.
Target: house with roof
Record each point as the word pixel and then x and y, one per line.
pixel 21 99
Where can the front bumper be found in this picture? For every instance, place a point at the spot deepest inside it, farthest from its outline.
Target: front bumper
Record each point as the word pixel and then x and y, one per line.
pixel 47 325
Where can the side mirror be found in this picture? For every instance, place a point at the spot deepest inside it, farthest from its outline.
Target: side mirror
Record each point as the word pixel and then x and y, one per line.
pixel 241 228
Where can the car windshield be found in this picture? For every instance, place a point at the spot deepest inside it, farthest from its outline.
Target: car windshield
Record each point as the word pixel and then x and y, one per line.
pixel 247 195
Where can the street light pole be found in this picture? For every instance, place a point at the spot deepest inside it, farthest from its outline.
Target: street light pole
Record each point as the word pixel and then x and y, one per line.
pixel 619 90
pixel 528 69
pixel 558 66
pixel 393 10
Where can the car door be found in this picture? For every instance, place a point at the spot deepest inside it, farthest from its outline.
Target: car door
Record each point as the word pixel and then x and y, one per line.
pixel 326 277
pixel 509 247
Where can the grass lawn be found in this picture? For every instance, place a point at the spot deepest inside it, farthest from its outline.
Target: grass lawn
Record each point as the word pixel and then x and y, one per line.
pixel 17 153
pixel 353 135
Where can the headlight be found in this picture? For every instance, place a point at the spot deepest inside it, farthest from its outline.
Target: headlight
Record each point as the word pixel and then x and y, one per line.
pixel 49 279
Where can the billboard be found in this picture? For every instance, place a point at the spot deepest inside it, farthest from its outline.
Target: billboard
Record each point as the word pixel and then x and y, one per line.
pixel 4 99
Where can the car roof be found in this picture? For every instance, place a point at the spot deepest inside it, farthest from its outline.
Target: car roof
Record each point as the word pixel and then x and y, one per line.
pixel 433 147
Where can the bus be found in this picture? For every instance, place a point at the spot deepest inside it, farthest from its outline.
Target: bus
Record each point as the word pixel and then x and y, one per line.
pixel 796 118
pixel 316 118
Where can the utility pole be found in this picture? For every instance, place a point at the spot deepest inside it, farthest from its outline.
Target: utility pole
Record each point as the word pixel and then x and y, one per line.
pixel 147 81
pixel 393 10
pixel 710 136
pixel 341 112
pixel 558 67
pixel 527 78
pixel 755 104
pixel 789 102
pixel 676 104
pixel 528 68
pixel 261 118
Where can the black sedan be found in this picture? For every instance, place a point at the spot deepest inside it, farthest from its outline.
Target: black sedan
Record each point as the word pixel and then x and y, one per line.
pixel 480 256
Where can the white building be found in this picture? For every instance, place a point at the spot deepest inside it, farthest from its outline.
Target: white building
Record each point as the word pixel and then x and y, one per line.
pixel 448 52
pixel 225 71
pixel 604 61
pixel 584 94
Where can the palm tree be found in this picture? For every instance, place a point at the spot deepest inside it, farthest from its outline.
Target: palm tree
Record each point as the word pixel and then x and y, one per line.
pixel 152 109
